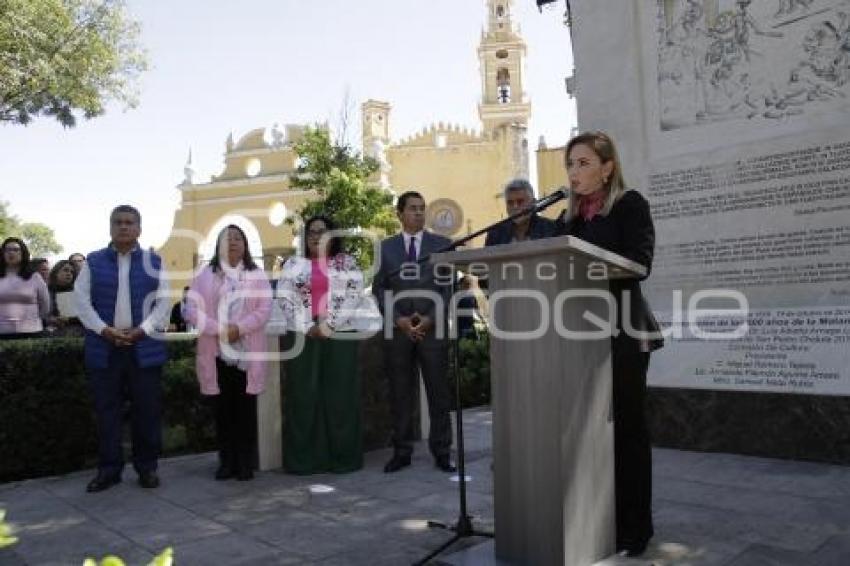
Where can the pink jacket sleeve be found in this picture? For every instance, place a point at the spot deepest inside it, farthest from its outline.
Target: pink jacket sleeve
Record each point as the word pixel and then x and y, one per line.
pixel 201 305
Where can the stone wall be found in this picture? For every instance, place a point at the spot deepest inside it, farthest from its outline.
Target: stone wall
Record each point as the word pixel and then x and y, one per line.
pixel 773 425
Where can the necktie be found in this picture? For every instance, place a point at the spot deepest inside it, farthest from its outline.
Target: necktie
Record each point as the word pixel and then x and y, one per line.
pixel 411 249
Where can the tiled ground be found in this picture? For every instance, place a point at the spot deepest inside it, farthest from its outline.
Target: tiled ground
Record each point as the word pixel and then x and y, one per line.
pixel 710 509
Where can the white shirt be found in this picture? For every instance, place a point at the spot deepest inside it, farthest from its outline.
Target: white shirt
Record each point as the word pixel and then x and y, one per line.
pixel 233 278
pixel 417 244
pixel 123 312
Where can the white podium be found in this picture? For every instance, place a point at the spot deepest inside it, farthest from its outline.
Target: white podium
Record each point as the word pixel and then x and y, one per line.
pixel 553 443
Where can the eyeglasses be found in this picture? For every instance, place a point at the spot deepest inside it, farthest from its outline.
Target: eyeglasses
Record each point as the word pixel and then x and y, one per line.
pixel 316 232
pixel 10 249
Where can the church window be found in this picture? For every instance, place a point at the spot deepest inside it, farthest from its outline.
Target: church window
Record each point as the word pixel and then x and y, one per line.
pixel 277 214
pixel 252 167
pixel 504 94
pixel 503 80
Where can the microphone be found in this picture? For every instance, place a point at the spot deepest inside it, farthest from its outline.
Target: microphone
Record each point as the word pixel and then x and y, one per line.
pixel 558 195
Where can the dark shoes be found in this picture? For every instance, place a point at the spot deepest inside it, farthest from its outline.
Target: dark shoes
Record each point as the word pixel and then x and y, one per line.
pixel 224 473
pixel 632 548
pixel 102 482
pixel 445 464
pixel 149 480
pixel 396 463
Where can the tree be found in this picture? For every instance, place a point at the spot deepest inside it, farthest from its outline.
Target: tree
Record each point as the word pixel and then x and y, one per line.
pixel 9 223
pixel 62 58
pixel 40 239
pixel 340 177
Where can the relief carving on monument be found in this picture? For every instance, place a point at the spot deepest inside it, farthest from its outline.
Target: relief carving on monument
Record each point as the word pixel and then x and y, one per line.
pixel 722 60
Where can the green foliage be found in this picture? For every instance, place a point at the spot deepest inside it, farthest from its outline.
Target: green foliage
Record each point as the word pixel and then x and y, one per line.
pixel 9 223
pixel 47 422
pixel 40 238
pixel 474 372
pixel 164 558
pixel 61 57
pixel 187 417
pixel 6 538
pixel 340 177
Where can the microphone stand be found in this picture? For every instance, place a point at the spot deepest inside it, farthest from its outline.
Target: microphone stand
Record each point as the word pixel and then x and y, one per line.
pixel 463 527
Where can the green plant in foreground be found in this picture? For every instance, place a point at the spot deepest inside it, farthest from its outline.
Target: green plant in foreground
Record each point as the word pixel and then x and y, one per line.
pixel 164 558
pixel 6 538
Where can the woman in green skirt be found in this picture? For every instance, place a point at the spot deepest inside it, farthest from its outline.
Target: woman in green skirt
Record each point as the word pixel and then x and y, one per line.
pixel 322 299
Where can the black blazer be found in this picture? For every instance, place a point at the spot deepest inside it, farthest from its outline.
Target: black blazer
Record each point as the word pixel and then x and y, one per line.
pixel 388 278
pixel 628 231
pixel 538 228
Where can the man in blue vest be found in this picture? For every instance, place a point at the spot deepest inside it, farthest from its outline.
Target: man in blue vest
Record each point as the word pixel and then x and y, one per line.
pixel 115 295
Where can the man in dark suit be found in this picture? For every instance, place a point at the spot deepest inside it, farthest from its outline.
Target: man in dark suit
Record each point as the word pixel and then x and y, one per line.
pixel 415 332
pixel 519 194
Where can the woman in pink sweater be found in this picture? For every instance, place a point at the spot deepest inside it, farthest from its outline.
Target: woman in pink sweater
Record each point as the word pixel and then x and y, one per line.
pixel 24 299
pixel 229 303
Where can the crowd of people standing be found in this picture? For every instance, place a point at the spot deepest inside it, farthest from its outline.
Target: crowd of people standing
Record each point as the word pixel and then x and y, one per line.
pixel 321 294
pixel 35 299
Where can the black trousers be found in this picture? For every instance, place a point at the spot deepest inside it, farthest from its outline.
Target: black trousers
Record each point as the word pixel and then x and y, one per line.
pixel 235 419
pixel 143 385
pixel 632 451
pixel 402 360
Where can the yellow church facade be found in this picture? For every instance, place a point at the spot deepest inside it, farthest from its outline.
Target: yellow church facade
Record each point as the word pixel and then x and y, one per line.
pixel 459 172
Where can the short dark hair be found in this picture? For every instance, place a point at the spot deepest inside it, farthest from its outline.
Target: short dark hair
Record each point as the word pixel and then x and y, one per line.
pixel 335 246
pixel 404 197
pixel 71 257
pixel 25 271
pixel 247 260
pixel 126 208
pixel 36 262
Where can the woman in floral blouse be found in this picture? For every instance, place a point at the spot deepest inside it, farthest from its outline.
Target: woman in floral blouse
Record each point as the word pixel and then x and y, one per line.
pixel 321 296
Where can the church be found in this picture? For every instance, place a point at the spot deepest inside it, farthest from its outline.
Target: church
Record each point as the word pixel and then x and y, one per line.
pixel 459 172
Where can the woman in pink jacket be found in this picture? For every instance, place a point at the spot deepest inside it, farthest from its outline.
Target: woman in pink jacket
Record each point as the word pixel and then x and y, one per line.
pixel 229 303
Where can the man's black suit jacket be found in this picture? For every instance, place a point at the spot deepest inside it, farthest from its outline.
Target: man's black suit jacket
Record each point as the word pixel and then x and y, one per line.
pixel 389 278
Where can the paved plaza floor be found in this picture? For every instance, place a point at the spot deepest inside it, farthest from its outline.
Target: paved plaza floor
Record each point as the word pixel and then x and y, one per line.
pixel 710 509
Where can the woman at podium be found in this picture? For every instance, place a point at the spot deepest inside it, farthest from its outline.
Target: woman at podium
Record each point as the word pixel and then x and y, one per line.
pixel 603 212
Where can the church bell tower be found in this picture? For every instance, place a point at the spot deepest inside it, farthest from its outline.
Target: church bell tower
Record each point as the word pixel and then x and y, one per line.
pixel 502 56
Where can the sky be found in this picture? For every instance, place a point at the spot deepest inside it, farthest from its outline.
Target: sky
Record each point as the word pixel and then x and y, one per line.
pixel 218 67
